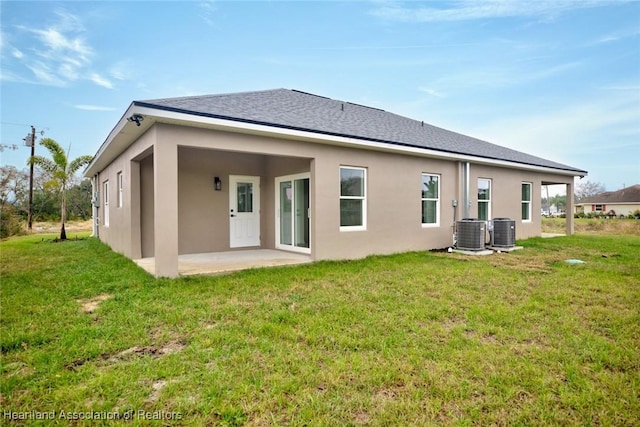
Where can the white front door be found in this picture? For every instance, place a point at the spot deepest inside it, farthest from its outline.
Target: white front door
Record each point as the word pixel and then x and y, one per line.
pixel 244 211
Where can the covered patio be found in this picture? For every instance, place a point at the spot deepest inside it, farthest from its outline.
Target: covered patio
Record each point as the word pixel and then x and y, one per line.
pixel 229 261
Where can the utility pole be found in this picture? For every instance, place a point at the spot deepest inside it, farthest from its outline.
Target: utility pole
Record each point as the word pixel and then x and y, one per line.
pixel 31 140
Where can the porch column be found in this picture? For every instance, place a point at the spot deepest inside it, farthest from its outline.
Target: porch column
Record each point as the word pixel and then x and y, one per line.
pixel 569 210
pixel 133 202
pixel 165 175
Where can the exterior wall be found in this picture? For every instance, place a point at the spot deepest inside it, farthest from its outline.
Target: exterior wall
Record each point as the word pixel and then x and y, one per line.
pixel 123 221
pixel 201 219
pixel 394 204
pixel 204 212
pixel 506 196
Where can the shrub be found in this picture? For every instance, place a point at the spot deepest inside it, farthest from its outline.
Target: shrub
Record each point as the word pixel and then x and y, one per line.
pixel 10 222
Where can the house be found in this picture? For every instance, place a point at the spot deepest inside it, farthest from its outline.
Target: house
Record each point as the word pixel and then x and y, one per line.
pixel 288 170
pixel 614 203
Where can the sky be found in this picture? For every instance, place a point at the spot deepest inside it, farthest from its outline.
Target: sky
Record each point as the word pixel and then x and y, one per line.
pixel 556 79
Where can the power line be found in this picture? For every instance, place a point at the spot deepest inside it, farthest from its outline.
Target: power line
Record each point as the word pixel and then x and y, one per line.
pixel 14 124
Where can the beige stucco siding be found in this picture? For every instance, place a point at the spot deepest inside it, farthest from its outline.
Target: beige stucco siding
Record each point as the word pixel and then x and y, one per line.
pixel 204 212
pixel 118 234
pixel 393 199
pixel 172 205
pixel 506 196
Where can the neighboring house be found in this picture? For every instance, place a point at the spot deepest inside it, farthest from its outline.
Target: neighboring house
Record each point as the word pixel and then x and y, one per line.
pixel 284 169
pixel 621 202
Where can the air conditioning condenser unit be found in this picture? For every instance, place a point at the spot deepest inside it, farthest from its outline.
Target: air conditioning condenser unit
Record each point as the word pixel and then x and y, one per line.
pixel 471 234
pixel 503 233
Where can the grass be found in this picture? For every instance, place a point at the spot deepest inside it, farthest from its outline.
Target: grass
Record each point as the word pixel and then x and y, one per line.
pixel 420 338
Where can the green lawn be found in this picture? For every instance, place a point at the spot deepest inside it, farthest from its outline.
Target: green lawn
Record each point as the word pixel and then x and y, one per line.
pixel 413 339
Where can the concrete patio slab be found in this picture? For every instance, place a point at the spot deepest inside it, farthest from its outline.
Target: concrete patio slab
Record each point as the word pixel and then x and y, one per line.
pixel 224 262
pixel 549 235
pixel 483 252
pixel 502 249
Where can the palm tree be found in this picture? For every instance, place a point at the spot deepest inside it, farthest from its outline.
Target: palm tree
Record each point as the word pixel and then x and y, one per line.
pixel 61 172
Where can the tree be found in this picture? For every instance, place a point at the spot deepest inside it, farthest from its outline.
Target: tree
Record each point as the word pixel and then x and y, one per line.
pixel 587 189
pixel 79 200
pixel 560 202
pixel 13 186
pixel 61 172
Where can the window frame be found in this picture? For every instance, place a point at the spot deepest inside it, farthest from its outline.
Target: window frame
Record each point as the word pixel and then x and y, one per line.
pixel 487 201
pixel 527 202
pixel 120 184
pixel 424 199
pixel 363 199
pixel 105 202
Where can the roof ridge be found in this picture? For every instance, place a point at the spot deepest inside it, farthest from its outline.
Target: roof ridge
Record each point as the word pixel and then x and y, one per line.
pixel 309 93
pixel 211 95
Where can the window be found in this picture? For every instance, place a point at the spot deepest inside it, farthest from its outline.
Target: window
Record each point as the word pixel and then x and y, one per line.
pixel 353 203
pixel 484 199
pixel 526 201
pixel 598 208
pixel 430 199
pixel 105 192
pixel 120 186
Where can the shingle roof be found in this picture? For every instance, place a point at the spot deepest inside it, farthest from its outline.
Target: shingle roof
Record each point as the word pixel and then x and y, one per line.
pixel 292 109
pixel 626 195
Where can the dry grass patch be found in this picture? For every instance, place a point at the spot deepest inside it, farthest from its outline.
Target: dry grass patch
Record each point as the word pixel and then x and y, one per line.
pixel 91 304
pixel 604 227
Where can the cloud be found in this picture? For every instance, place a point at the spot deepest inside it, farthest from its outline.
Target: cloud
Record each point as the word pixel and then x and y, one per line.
pixel 432 92
pixel 100 81
pixel 208 8
pixel 465 10
pixel 120 70
pixel 501 75
pixel 45 75
pixel 61 43
pixel 93 107
pixel 56 54
pixel 620 34
pixel 567 131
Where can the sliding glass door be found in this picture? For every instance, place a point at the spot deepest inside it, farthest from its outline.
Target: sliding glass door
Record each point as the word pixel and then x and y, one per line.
pixel 292 213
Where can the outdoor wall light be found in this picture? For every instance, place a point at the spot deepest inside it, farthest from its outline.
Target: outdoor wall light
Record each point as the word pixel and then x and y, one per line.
pixel 137 118
pixel 217 183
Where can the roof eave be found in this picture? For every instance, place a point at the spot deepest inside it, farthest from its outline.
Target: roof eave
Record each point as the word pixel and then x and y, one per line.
pixel 125 129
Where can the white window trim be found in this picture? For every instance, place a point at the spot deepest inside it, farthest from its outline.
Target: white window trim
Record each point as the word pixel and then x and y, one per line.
pixel 105 197
pixel 529 202
pixel 120 184
pixel 437 223
pixel 488 202
pixel 362 227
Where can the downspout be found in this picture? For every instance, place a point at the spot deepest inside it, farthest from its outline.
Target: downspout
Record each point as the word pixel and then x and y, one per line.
pixel 464 203
pixel 466 170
